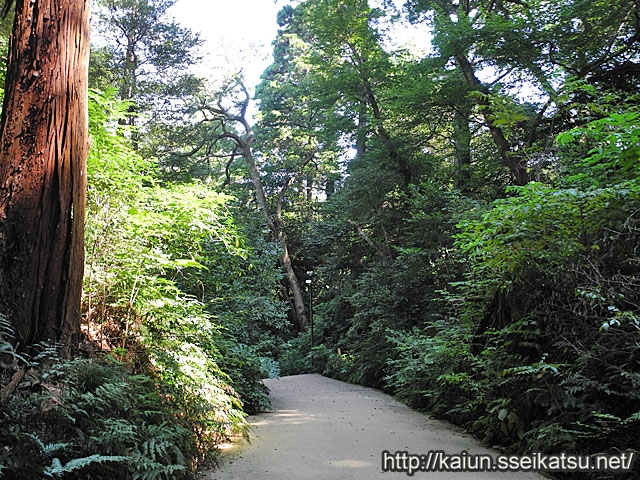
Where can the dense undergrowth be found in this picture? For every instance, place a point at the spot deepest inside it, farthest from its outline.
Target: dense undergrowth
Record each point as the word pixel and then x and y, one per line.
pixel 169 370
pixel 91 419
pixel 517 318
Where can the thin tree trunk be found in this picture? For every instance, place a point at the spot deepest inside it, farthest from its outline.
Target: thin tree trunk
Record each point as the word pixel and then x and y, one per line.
pixel 462 146
pixel 370 97
pixel 309 187
pixel 43 153
pixel 287 297
pixel 273 219
pixel 330 187
pixel 275 225
pixel 509 158
pixel 396 157
pixel 370 242
pixel 361 136
pixel 294 284
pixel 254 174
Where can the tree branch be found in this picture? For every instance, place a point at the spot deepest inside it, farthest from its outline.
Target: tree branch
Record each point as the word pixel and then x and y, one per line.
pixel 228 166
pixel 378 250
pixel 285 187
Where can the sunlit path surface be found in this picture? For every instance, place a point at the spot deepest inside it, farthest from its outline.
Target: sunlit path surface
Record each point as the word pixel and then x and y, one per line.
pixel 326 429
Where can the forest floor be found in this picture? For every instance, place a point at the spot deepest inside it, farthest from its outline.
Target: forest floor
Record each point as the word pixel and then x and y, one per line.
pixel 326 429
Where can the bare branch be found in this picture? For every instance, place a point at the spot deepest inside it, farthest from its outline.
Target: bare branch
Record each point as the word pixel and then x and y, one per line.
pixel 378 250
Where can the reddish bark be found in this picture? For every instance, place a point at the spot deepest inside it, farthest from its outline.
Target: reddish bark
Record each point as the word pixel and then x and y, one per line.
pixel 43 151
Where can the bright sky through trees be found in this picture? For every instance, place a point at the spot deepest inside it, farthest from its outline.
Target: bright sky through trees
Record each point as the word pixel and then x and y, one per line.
pixel 238 34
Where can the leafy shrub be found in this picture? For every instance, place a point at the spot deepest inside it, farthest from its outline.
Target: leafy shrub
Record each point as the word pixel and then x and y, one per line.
pixel 533 343
pixel 541 354
pixel 88 419
pixel 431 364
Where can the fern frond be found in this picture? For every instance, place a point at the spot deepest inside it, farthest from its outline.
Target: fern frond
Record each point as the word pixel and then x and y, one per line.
pixel 148 470
pixel 56 469
pixel 633 418
pixel 54 447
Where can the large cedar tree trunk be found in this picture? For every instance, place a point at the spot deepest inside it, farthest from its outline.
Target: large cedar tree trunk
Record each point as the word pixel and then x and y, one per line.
pixel 43 153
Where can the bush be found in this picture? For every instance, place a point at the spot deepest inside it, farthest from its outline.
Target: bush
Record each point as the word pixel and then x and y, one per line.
pixel 89 419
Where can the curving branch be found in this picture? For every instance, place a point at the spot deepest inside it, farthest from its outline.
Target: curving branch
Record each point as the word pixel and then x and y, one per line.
pixel 232 124
pixel 370 242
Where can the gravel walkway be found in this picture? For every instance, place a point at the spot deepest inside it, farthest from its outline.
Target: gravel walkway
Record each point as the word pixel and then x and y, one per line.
pixel 326 429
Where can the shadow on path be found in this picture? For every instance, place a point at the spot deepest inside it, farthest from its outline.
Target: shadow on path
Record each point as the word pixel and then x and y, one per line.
pixel 326 429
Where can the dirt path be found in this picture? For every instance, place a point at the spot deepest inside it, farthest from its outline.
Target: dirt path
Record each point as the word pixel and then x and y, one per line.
pixel 326 429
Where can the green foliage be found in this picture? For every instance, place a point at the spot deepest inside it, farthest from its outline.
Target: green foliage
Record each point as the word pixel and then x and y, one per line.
pixel 244 297
pixel 510 310
pixel 540 229
pixel 606 150
pixel 374 285
pixel 539 353
pixel 430 366
pixel 147 52
pixel 7 340
pixel 170 279
pixel 90 419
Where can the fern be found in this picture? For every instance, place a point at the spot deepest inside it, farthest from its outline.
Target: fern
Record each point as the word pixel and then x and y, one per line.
pixel 154 470
pixel 98 414
pixel 46 352
pixel 50 447
pixel 633 418
pixel 54 447
pixel 537 368
pixel 56 469
pixel 6 336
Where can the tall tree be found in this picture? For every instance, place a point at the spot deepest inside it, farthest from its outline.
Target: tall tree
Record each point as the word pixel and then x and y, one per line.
pixel 541 42
pixel 296 119
pixel 230 133
pixel 148 55
pixel 351 70
pixel 43 152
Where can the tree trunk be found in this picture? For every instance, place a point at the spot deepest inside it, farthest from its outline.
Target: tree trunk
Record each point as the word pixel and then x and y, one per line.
pixel 272 218
pixel 257 186
pixel 43 153
pixel 369 96
pixel 330 187
pixel 394 155
pixel 515 164
pixel 309 188
pixel 292 315
pixel 294 284
pixel 275 226
pixel 462 146
pixel 361 135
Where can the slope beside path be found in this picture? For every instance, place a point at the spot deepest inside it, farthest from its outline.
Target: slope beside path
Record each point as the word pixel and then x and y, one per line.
pixel 326 429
